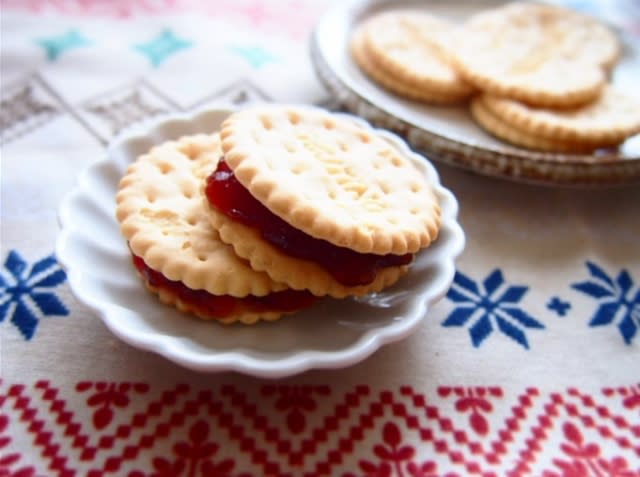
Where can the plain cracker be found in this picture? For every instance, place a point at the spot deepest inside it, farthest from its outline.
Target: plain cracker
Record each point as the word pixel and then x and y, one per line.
pixel 507 132
pixel 407 46
pixel 332 178
pixel 390 82
pixel 610 119
pixel 539 54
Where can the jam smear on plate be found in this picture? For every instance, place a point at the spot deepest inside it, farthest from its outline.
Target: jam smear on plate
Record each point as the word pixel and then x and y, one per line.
pixel 221 306
pixel 350 268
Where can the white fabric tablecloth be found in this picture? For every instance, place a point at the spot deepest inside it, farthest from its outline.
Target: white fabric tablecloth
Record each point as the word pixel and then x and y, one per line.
pixel 557 393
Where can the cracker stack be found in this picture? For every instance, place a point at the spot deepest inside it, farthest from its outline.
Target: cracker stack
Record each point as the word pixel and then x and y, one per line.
pixel 282 206
pixel 538 73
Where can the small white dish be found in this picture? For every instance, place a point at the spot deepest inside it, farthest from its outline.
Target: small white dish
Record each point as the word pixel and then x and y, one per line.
pixel 331 334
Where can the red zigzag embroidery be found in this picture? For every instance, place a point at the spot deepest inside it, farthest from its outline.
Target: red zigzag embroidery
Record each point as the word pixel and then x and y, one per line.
pixel 458 431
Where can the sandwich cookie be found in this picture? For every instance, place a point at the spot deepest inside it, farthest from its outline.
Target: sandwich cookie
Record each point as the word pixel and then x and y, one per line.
pixel 319 201
pixel 177 253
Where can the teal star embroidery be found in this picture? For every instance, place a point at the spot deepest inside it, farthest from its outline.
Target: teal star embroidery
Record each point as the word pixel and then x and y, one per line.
pixel 56 45
pixel 162 46
pixel 255 55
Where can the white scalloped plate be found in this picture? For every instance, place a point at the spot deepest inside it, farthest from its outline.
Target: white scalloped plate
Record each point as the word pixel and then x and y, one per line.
pixel 332 334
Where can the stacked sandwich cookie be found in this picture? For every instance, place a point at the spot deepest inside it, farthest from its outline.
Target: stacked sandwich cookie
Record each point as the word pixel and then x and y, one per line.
pixel 176 251
pixel 281 207
pixel 538 73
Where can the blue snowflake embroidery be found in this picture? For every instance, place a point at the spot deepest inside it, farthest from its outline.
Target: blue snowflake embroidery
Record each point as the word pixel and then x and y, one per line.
pixel 558 305
pixel 56 45
pixel 255 55
pixel 162 46
pixel 617 302
pixel 21 290
pixel 494 306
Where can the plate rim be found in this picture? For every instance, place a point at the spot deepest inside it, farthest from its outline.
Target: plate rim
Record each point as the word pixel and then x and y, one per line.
pixel 569 169
pixel 234 360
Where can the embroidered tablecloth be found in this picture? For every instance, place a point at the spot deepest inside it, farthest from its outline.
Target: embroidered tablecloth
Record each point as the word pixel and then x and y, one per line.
pixel 553 389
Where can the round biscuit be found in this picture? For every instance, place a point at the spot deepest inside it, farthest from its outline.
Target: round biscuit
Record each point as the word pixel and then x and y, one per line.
pixel 159 208
pixel 610 119
pixel 390 82
pixel 409 46
pixel 332 177
pixel 507 132
pixel 543 55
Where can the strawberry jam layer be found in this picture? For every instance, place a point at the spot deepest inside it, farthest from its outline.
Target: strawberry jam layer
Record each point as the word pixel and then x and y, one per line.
pixel 346 266
pixel 221 306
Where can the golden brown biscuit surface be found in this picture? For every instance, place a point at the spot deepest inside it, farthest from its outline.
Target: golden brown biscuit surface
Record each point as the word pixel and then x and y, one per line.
pixel 332 178
pixel 403 51
pixel 390 82
pixel 525 138
pixel 610 119
pixel 539 54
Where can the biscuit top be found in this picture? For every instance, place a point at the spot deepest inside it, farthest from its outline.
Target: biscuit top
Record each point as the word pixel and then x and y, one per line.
pixel 161 215
pixel 411 39
pixel 332 178
pixel 543 48
pixel 539 34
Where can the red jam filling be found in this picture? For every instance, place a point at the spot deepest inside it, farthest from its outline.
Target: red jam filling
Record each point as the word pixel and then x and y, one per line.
pixel 221 306
pixel 349 268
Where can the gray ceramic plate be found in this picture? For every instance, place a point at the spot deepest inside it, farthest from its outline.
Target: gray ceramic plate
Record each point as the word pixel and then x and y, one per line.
pixel 448 134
